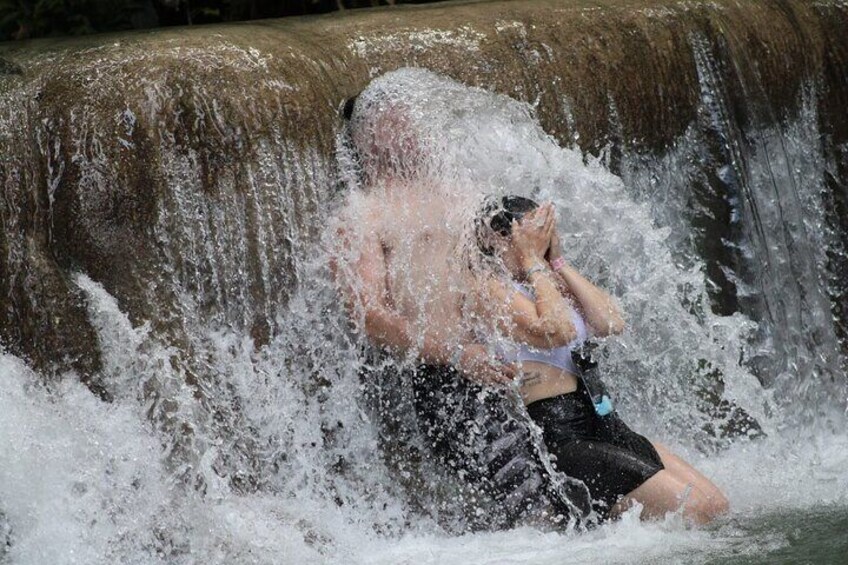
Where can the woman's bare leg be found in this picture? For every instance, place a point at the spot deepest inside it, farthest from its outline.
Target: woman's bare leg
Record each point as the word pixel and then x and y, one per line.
pixel 677 486
pixel 687 472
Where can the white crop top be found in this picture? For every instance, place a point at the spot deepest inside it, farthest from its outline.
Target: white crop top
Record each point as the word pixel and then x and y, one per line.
pixel 559 357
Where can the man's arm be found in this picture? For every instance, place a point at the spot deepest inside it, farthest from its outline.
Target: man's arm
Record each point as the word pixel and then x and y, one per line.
pixel 362 281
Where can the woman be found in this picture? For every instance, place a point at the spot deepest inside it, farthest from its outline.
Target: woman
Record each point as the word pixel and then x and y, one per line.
pixel 543 309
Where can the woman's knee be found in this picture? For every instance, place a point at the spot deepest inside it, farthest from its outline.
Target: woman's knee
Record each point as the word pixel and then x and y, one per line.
pixel 717 504
pixel 703 508
pixel 667 492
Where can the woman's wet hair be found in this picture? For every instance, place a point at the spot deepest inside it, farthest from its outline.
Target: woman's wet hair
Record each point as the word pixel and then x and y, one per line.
pixel 496 216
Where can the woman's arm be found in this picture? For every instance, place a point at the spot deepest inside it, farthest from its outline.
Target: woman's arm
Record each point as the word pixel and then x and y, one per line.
pixel 546 321
pixel 600 310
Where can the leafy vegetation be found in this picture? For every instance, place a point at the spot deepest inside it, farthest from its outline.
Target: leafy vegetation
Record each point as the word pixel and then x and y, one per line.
pixel 21 19
pixel 25 19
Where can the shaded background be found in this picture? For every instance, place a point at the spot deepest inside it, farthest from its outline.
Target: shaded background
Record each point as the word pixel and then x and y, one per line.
pixel 27 19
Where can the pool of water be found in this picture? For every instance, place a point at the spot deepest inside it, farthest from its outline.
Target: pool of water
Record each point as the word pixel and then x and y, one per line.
pixel 791 537
pixel 785 537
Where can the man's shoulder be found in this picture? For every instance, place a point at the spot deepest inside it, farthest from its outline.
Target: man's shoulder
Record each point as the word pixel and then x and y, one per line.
pixel 361 215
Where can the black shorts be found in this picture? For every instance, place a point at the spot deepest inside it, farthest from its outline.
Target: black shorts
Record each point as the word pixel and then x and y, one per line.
pixel 610 458
pixel 484 437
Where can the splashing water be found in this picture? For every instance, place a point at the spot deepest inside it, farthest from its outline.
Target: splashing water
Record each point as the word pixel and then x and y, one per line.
pixel 278 460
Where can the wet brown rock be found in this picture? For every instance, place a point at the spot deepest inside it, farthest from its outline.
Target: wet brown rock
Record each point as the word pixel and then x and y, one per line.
pixel 185 169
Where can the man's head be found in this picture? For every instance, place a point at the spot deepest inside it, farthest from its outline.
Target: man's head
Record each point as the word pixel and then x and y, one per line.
pixel 383 135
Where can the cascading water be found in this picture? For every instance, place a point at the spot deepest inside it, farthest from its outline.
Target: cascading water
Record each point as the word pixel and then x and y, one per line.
pixel 239 428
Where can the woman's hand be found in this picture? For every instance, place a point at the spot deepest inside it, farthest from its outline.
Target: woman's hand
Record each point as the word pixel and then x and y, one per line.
pixel 532 235
pixel 555 251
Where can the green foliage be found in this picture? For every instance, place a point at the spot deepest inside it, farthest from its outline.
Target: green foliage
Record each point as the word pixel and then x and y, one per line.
pixel 23 19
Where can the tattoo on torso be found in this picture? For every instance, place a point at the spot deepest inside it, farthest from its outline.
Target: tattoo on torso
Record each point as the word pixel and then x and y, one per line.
pixel 531 378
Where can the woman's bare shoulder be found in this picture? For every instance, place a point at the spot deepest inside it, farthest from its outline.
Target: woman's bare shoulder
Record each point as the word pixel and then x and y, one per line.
pixel 500 289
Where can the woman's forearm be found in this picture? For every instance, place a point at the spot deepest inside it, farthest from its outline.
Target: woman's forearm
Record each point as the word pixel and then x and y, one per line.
pixel 601 311
pixel 553 311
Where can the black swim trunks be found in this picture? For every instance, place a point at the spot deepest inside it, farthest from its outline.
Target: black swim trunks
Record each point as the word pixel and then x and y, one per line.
pixel 609 457
pixel 484 436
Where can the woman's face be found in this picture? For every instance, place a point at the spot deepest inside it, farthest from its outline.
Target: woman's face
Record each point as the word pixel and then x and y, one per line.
pixel 506 250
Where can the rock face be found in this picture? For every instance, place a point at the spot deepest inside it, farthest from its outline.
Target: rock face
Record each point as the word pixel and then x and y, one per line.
pixel 184 169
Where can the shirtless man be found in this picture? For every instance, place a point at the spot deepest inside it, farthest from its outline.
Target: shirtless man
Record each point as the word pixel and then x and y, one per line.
pixel 398 269
pixel 399 238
